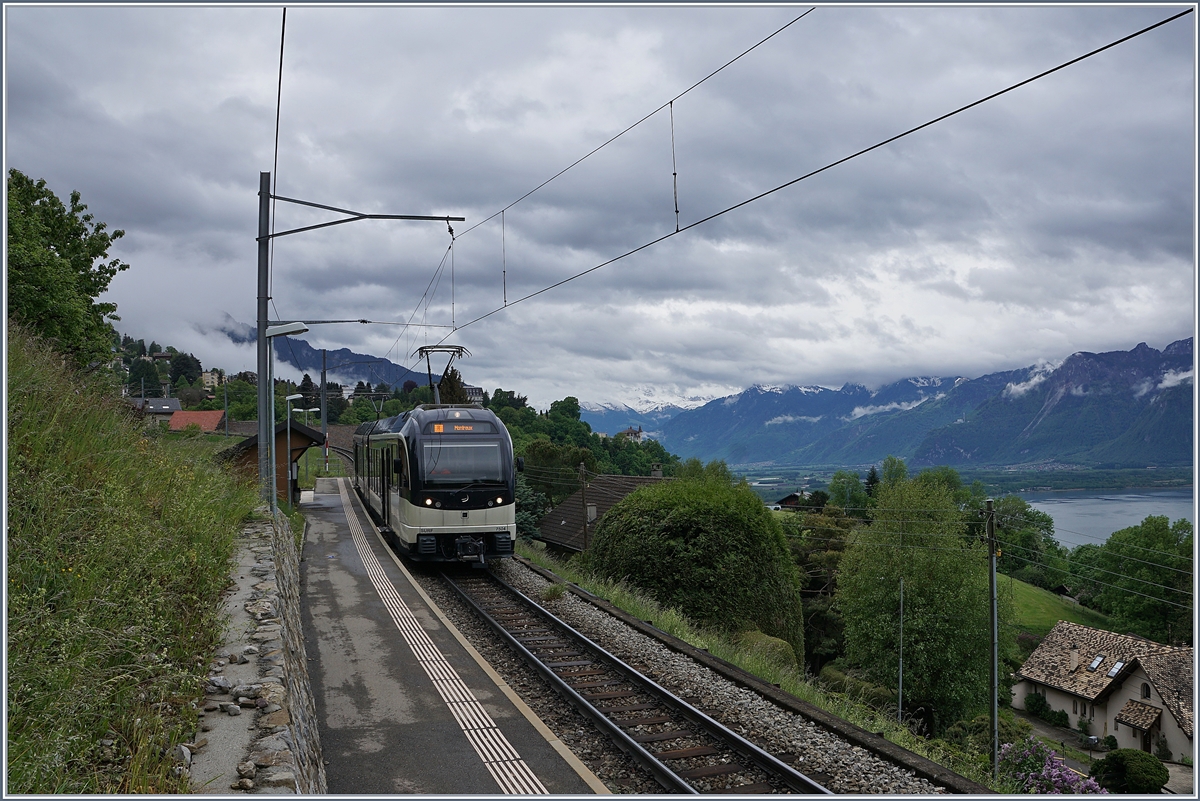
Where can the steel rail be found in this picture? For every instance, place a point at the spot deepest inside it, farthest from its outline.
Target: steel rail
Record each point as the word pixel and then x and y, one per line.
pixel 773 766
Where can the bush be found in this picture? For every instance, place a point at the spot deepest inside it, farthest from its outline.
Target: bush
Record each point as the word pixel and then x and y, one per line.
pixel 1110 742
pixel 1084 726
pixel 1128 770
pixel 772 649
pixel 1057 717
pixel 837 679
pixel 976 734
pixel 708 548
pixel 1036 705
pixel 1161 749
pixel 1037 769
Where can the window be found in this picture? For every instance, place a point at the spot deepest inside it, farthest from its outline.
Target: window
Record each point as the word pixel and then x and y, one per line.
pixel 1092 714
pixel 1075 706
pixel 1116 669
pixel 1145 690
pixel 1096 662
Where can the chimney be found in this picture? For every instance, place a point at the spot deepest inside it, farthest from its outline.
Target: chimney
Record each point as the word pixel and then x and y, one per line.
pixel 656 470
pixel 1074 656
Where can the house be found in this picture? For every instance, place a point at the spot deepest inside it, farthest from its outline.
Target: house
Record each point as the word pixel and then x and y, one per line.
pixel 243 456
pixel 211 379
pixel 562 528
pixel 633 434
pixel 157 409
pixel 792 501
pixel 1126 686
pixel 474 394
pixel 207 421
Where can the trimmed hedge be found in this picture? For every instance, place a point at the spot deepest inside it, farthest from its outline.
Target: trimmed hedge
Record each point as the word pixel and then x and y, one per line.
pixel 1128 770
pixel 707 548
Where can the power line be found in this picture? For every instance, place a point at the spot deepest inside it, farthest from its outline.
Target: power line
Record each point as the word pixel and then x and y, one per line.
pixel 1098 569
pixel 636 124
pixel 1121 589
pixel 829 166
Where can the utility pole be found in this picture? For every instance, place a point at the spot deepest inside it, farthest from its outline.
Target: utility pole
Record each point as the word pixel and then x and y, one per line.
pixel 900 690
pixel 991 539
pixel 226 408
pixel 324 413
pixel 265 468
pixel 265 399
pixel 583 496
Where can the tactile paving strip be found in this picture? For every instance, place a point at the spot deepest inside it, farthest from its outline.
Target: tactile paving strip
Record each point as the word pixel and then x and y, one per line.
pixel 502 760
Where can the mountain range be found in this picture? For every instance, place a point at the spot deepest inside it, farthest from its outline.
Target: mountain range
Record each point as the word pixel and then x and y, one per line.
pixel 1118 409
pixel 342 365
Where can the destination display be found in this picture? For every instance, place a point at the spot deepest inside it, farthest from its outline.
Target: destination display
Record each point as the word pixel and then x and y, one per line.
pixel 465 427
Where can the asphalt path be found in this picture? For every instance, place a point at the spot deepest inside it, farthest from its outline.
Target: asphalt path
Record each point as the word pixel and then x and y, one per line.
pixel 402 705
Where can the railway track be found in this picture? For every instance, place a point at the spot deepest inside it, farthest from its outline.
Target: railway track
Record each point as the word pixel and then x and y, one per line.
pixel 685 750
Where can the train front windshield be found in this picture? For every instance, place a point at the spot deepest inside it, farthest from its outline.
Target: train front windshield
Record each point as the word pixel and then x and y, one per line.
pixel 462 462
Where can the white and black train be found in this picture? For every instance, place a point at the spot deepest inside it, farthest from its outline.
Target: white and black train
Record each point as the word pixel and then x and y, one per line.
pixel 440 482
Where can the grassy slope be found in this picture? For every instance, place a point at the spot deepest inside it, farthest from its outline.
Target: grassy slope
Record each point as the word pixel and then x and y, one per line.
pixel 119 548
pixel 1038 610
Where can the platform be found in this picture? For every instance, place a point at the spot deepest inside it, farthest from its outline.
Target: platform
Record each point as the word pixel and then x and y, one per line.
pixel 404 705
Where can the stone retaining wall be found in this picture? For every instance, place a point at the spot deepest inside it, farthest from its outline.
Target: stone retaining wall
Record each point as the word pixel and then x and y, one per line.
pixel 262 670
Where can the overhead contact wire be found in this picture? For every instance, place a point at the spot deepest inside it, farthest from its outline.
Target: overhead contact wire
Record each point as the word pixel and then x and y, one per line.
pixel 829 166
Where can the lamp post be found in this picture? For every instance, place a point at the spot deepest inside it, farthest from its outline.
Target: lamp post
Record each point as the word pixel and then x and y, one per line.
pixel 289 400
pixel 281 330
pixel 306 411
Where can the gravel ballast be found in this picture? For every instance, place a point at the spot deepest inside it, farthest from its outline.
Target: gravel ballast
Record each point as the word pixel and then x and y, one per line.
pixel 840 765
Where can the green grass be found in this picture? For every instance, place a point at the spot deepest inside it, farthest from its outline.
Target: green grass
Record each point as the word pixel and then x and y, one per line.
pixel 312 467
pixel 1037 610
pixel 882 722
pixel 119 548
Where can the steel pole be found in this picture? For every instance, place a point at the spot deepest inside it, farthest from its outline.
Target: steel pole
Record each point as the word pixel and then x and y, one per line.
pixel 289 451
pixel 264 381
pixel 900 690
pixel 324 413
pixel 991 537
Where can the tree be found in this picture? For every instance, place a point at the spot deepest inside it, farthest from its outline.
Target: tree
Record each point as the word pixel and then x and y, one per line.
pixel 409 386
pixel 917 533
pixel 507 399
pixel 872 481
pixel 450 388
pixel 1142 577
pixel 186 366
pixel 567 407
pixel 57 266
pixel 846 491
pixel 894 470
pixel 309 390
pixel 143 375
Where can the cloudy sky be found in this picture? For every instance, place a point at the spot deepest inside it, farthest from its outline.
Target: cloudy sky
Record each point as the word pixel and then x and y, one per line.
pixel 1055 218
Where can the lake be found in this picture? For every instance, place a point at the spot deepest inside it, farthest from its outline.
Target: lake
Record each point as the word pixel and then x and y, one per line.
pixel 1090 516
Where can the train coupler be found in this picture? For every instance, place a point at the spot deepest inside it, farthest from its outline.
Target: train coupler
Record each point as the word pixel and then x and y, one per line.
pixel 469 549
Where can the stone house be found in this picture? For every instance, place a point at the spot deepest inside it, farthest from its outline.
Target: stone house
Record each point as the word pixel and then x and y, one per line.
pixel 1126 686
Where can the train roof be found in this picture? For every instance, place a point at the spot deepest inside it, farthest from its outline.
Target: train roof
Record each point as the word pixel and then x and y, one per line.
pixel 424 413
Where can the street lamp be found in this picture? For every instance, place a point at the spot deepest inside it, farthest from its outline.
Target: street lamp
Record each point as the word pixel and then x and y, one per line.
pixel 289 400
pixel 266 398
pixel 267 429
pixel 306 411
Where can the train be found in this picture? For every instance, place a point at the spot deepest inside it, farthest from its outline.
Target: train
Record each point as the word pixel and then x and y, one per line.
pixel 440 483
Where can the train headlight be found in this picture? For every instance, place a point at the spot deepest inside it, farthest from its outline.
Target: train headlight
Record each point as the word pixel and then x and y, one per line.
pixel 438 504
pixel 500 500
pixel 491 504
pixel 429 501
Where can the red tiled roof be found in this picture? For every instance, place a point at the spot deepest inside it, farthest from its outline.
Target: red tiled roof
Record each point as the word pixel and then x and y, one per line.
pixel 208 421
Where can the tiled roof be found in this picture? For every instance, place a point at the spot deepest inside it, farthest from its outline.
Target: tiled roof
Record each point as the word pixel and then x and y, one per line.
pixel 208 421
pixel 1050 663
pixel 1138 715
pixel 563 525
pixel 1173 675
